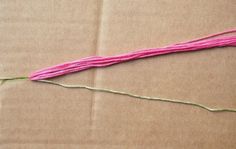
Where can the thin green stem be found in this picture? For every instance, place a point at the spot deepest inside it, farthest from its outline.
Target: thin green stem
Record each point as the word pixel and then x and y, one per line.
pixel 139 96
pixel 13 78
pixel 124 94
pixel 4 79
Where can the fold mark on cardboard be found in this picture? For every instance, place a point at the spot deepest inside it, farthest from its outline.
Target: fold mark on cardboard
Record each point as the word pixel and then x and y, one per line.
pixel 96 48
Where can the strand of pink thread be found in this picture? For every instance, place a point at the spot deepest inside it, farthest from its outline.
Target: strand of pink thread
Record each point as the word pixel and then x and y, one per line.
pixel 207 42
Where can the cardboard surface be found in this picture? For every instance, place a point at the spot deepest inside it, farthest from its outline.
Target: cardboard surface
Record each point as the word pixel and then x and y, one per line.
pixel 41 33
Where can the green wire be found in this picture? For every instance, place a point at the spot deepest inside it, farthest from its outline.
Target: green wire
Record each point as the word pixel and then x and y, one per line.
pixel 125 94
pixel 13 78
pixel 4 79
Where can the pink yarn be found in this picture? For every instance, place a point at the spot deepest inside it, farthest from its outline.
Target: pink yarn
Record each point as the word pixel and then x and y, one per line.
pixel 207 42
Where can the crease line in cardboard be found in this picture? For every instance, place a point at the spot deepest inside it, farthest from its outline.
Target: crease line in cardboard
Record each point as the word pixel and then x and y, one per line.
pixel 96 48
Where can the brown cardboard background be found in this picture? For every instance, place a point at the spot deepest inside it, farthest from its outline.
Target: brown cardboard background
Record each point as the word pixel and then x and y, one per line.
pixel 40 33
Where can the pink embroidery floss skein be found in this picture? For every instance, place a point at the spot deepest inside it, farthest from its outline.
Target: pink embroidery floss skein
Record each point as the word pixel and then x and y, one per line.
pixel 211 41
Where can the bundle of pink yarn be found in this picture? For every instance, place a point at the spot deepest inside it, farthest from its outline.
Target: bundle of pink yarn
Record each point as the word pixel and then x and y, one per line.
pixel 212 41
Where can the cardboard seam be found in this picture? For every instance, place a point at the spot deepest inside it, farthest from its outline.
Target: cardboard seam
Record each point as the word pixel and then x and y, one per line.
pixel 96 48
